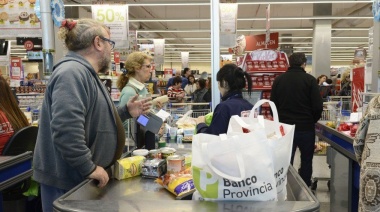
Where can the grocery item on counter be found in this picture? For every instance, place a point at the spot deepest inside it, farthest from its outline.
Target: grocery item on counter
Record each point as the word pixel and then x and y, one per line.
pixel 153 168
pixel 128 167
pixel 166 152
pixel 179 184
pixel 175 163
pixel 140 152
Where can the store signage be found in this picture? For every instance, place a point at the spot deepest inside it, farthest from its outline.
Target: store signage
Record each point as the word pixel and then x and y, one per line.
pixel 28 45
pixel 115 17
pixel 168 73
pixel 16 68
pixel 360 55
pixel 228 18
pixel 357 87
pixel 185 59
pixel 159 50
pixel 18 18
pixel 34 55
pixel 255 42
pixel 36 41
pixel 116 57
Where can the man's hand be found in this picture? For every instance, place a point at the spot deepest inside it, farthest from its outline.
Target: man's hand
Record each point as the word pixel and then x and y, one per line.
pixel 101 175
pixel 136 108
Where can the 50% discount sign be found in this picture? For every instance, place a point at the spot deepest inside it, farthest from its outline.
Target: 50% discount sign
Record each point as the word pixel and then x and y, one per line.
pixel 114 16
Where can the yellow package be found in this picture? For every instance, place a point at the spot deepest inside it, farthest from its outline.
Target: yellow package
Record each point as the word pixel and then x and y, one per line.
pixel 128 167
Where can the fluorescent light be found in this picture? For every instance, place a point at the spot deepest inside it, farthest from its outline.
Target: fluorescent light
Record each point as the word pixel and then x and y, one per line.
pixel 253 19
pixel 251 30
pixel 304 2
pixel 146 4
pixel 151 39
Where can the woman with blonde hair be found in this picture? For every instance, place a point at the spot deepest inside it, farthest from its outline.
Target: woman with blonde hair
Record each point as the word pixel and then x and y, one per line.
pixel 345 84
pixel 138 69
pixel 12 118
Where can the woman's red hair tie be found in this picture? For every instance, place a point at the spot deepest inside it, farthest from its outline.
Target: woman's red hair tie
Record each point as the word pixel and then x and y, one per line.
pixel 68 24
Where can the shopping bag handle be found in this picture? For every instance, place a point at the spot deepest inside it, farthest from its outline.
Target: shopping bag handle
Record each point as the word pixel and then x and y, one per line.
pixel 239 157
pixel 236 124
pixel 274 112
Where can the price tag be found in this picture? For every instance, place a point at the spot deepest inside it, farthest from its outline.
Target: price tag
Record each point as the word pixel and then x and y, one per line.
pixel 115 17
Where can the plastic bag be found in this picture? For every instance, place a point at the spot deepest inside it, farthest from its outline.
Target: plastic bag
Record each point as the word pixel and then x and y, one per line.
pixel 186 121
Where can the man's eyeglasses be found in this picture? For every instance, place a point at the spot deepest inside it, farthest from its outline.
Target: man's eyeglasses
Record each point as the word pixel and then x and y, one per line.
pixel 112 43
pixel 148 66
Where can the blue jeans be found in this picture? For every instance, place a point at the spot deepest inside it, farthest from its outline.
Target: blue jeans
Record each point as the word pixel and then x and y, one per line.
pixel 305 141
pixel 48 195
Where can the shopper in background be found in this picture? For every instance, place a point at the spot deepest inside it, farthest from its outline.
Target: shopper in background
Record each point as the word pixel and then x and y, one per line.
pixel 367 148
pixel 186 73
pixel 80 133
pixel 137 71
pixel 345 84
pixel 175 92
pixel 326 89
pixel 321 79
pixel 298 101
pixel 208 94
pixel 199 94
pixel 12 118
pixel 191 85
pixel 231 81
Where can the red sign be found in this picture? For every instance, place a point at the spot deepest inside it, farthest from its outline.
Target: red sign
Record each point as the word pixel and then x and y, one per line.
pixel 16 69
pixel 28 45
pixel 116 57
pixel 255 42
pixel 357 87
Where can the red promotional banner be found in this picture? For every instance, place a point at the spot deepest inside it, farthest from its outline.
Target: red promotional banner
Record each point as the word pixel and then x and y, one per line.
pixel 266 61
pixel 357 87
pixel 16 68
pixel 116 57
pixel 254 42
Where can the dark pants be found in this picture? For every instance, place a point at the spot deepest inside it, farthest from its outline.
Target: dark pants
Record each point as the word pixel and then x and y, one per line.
pixel 305 141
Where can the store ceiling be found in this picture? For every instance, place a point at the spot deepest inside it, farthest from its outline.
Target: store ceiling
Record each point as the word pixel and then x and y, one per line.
pixel 186 24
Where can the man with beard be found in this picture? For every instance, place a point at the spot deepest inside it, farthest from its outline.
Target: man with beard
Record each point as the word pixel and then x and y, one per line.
pixel 80 131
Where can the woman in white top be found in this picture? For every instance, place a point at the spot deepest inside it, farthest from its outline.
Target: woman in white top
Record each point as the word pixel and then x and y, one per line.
pixel 191 86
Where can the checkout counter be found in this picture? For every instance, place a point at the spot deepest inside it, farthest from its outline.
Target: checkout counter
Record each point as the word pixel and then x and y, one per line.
pixel 14 169
pixel 345 170
pixel 141 194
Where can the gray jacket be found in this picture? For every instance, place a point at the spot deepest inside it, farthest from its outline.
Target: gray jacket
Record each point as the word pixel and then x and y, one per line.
pixel 77 128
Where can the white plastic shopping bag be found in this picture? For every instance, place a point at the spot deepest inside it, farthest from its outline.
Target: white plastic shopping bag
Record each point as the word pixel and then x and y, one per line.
pixel 279 137
pixel 231 168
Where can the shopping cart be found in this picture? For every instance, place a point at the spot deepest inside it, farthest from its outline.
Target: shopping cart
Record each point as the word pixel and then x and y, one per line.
pixel 179 109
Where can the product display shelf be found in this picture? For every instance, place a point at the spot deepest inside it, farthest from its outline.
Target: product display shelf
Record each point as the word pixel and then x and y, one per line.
pixel 345 170
pixel 141 194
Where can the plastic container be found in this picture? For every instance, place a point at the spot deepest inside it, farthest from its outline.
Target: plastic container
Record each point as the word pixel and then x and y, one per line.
pixel 140 152
pixel 35 115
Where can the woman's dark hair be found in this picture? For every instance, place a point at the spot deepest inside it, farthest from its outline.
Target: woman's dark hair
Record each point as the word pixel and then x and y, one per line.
pixel 235 78
pixel 188 78
pixel 177 79
pixel 202 83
